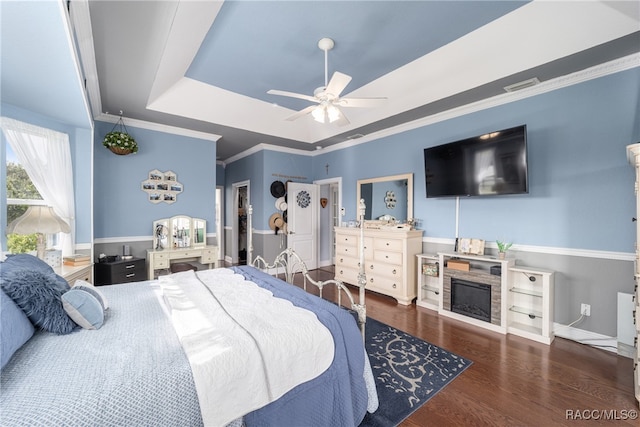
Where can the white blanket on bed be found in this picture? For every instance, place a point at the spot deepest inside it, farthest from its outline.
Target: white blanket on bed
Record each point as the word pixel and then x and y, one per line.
pixel 246 348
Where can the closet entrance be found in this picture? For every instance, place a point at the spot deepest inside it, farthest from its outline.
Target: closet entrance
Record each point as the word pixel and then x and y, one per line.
pixel 239 230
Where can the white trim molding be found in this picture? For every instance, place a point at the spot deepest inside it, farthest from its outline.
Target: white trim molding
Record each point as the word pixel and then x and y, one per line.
pixel 594 339
pixel 584 253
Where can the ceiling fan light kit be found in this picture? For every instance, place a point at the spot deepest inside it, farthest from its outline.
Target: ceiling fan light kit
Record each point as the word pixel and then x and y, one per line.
pixel 328 96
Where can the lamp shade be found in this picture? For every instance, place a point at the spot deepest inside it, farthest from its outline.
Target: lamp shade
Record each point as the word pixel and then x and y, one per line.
pixel 38 219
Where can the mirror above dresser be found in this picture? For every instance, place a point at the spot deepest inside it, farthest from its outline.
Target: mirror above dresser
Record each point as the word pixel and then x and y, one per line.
pixel 388 199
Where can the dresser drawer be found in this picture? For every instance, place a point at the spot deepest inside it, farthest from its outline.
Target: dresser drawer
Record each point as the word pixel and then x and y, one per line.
pixel 161 260
pixel 388 244
pixel 347 275
pixel 386 270
pixel 194 253
pixel 349 251
pixel 209 256
pixel 388 257
pixel 347 261
pixel 347 239
pixel 108 273
pixel 385 285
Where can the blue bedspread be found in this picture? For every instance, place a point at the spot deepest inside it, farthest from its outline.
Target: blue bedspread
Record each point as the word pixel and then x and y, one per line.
pixel 130 372
pixel 332 399
pixel 133 371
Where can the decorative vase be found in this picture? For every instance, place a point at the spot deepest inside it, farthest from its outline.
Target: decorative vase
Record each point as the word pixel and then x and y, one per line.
pixel 501 255
pixel 120 151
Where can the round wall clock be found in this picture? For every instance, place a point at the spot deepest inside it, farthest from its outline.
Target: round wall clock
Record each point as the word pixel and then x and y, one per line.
pixel 303 199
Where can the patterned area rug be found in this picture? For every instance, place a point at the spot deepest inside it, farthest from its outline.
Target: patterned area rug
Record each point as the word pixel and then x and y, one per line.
pixel 407 370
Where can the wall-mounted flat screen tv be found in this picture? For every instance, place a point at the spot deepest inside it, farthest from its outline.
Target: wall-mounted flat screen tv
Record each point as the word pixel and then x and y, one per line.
pixel 486 165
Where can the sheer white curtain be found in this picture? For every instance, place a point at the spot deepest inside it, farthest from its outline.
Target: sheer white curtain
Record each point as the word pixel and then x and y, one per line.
pixel 46 157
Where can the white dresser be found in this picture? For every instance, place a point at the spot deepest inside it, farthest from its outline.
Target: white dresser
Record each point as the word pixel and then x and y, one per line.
pixel 389 257
pixel 633 153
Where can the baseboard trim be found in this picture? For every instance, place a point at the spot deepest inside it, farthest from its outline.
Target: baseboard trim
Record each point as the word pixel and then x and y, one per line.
pixel 593 339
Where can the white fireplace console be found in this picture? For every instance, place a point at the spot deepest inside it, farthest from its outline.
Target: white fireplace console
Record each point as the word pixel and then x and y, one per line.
pixel 479 272
pixel 521 297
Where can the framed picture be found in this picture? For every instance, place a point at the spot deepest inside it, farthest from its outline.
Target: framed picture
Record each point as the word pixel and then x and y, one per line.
pixel 471 246
pixel 162 186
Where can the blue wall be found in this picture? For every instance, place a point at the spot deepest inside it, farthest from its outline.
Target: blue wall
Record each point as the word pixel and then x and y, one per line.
pixel 581 185
pixel 261 169
pixel 122 209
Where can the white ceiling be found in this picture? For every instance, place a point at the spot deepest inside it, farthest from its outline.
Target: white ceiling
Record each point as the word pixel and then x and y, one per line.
pixel 206 66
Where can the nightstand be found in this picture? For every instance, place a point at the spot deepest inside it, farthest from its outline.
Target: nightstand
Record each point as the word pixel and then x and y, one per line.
pixel 123 271
pixel 73 273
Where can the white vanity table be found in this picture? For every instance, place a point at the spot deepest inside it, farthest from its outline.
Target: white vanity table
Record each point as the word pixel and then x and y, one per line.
pixel 179 238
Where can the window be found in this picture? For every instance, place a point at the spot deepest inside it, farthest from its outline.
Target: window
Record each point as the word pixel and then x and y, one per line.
pixel 21 193
pixel 45 157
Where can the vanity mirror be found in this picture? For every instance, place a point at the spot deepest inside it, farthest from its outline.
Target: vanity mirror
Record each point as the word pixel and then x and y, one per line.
pixel 387 198
pixel 179 232
pixel 199 232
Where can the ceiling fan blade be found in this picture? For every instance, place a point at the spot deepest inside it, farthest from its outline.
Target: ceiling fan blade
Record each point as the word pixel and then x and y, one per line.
pixel 292 95
pixel 337 84
pixel 360 102
pixel 301 113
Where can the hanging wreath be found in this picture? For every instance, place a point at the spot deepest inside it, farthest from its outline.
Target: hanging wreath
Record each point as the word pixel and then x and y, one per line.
pixel 119 141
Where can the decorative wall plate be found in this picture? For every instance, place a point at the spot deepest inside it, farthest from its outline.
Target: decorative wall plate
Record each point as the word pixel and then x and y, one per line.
pixel 390 200
pixel 303 199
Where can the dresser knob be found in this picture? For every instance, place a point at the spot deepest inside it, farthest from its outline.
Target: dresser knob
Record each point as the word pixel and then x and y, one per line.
pixel 371 280
pixel 394 286
pixel 371 267
pixel 394 271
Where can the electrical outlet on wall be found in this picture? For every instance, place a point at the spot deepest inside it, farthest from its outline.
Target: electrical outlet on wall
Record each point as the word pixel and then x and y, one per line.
pixel 585 309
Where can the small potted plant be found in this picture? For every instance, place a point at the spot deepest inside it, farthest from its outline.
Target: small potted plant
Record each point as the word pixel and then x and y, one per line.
pixel 503 247
pixel 119 141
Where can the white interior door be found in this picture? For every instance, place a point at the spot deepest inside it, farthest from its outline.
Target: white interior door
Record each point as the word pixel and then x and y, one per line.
pixel 303 221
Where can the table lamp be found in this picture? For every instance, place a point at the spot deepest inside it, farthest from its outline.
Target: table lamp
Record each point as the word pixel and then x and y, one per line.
pixel 41 220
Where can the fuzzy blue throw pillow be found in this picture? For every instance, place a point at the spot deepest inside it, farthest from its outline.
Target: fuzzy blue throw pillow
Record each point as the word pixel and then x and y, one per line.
pixel 38 294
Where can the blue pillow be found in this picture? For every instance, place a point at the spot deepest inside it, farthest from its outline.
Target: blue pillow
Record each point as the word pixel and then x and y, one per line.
pixel 21 261
pixel 83 308
pixel 81 284
pixel 28 262
pixel 15 328
pixel 38 296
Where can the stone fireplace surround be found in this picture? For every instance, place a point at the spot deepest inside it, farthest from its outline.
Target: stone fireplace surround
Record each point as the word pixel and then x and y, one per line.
pixel 478 277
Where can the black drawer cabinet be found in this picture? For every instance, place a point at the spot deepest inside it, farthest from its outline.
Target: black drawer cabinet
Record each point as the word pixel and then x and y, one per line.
pixel 124 271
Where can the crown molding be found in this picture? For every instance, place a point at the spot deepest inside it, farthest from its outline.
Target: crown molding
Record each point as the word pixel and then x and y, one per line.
pixel 110 118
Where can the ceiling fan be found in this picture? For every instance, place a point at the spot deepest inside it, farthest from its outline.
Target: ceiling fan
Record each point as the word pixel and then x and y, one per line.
pixel 328 96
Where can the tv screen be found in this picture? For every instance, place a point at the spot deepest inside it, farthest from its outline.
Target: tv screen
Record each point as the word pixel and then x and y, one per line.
pixel 491 164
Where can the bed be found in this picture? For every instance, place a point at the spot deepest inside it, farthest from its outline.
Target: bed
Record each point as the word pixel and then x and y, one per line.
pixel 165 352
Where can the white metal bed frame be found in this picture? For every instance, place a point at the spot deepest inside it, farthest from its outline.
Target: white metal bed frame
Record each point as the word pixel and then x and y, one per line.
pixel 290 263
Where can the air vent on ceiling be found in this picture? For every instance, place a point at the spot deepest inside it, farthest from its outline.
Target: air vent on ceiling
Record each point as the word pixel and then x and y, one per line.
pixel 522 85
pixel 355 136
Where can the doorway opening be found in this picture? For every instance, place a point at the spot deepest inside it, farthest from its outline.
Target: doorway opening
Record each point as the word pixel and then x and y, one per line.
pixel 331 190
pixel 239 237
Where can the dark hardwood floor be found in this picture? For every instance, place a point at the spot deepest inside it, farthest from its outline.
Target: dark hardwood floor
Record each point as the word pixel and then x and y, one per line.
pixel 513 381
